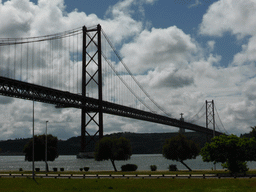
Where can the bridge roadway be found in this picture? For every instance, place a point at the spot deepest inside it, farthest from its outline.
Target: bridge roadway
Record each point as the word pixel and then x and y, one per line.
pixel 28 91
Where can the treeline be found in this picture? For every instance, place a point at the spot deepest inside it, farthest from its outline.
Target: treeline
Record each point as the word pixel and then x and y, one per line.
pixel 142 143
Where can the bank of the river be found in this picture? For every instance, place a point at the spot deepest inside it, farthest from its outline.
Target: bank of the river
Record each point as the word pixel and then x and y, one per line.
pixel 71 163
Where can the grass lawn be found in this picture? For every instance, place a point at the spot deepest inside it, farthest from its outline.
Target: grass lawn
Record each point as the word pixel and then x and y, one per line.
pixel 55 185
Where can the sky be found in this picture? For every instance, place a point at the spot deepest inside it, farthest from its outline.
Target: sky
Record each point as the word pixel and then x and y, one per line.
pixel 183 52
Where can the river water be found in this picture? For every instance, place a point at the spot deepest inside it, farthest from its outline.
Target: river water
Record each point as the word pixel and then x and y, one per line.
pixel 71 163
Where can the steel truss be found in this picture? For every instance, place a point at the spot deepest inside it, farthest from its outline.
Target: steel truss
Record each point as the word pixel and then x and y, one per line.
pixel 22 90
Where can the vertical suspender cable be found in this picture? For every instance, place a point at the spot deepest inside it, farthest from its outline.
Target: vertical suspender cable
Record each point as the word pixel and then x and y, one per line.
pixel 14 71
pixel 21 55
pixel 9 60
pixel 32 63
pixel 77 64
pixel 64 76
pixel 51 62
pixel 40 66
pixel 73 64
pixel 28 60
pixel 69 62
pixel 1 61
pixel 58 64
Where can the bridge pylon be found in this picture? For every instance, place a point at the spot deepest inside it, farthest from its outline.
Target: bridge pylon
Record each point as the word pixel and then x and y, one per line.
pixel 91 77
pixel 210 116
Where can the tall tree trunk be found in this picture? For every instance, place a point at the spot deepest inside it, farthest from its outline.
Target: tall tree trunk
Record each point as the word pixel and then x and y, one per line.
pixel 113 163
pixel 186 166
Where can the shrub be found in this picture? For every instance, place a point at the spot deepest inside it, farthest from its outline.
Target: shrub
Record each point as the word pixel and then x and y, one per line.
pixel 86 168
pixel 241 166
pixel 20 169
pixel 81 169
pixel 37 169
pixel 173 168
pixel 55 169
pixel 61 169
pixel 153 167
pixel 129 167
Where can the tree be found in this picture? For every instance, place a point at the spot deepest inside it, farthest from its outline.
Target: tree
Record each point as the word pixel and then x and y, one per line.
pixel 179 148
pixel 233 152
pixel 40 148
pixel 113 149
pixel 253 132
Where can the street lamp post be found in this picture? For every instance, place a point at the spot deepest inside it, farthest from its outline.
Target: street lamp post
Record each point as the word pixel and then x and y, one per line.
pixel 33 147
pixel 46 165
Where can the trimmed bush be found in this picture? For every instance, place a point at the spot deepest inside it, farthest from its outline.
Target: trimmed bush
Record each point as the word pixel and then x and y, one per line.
pixel 153 167
pixel 81 169
pixel 20 169
pixel 129 167
pixel 173 168
pixel 55 169
pixel 86 168
pixel 37 169
pixel 61 169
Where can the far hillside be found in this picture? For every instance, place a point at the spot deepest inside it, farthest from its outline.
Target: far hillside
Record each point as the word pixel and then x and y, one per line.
pixel 142 143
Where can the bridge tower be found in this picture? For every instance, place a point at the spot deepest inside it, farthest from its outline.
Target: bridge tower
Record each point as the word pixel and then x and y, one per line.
pixel 210 116
pixel 181 130
pixel 91 74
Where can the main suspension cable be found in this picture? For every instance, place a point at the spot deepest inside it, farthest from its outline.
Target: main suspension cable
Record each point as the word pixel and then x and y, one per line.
pixel 135 80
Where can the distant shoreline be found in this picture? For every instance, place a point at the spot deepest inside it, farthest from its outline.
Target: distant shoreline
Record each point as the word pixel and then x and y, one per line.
pixel 12 154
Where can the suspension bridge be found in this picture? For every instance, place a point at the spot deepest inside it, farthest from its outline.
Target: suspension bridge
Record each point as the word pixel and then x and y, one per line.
pixel 81 69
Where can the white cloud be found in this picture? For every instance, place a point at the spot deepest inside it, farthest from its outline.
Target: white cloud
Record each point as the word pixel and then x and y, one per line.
pixel 158 48
pixel 16 17
pixel 168 78
pixel 211 45
pixel 248 53
pixel 237 18
pixel 21 18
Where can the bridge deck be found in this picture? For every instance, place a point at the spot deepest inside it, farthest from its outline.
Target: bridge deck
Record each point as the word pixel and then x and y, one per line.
pixel 28 91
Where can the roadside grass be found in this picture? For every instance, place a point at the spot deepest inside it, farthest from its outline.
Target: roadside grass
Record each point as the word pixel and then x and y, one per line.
pixel 56 185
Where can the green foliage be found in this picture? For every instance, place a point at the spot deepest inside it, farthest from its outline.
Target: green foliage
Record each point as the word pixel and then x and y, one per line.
pixel 231 151
pixel 173 168
pixel 86 168
pixel 253 132
pixel 40 148
pixel 179 148
pixel 238 167
pixel 153 167
pixel 129 167
pixel 113 149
